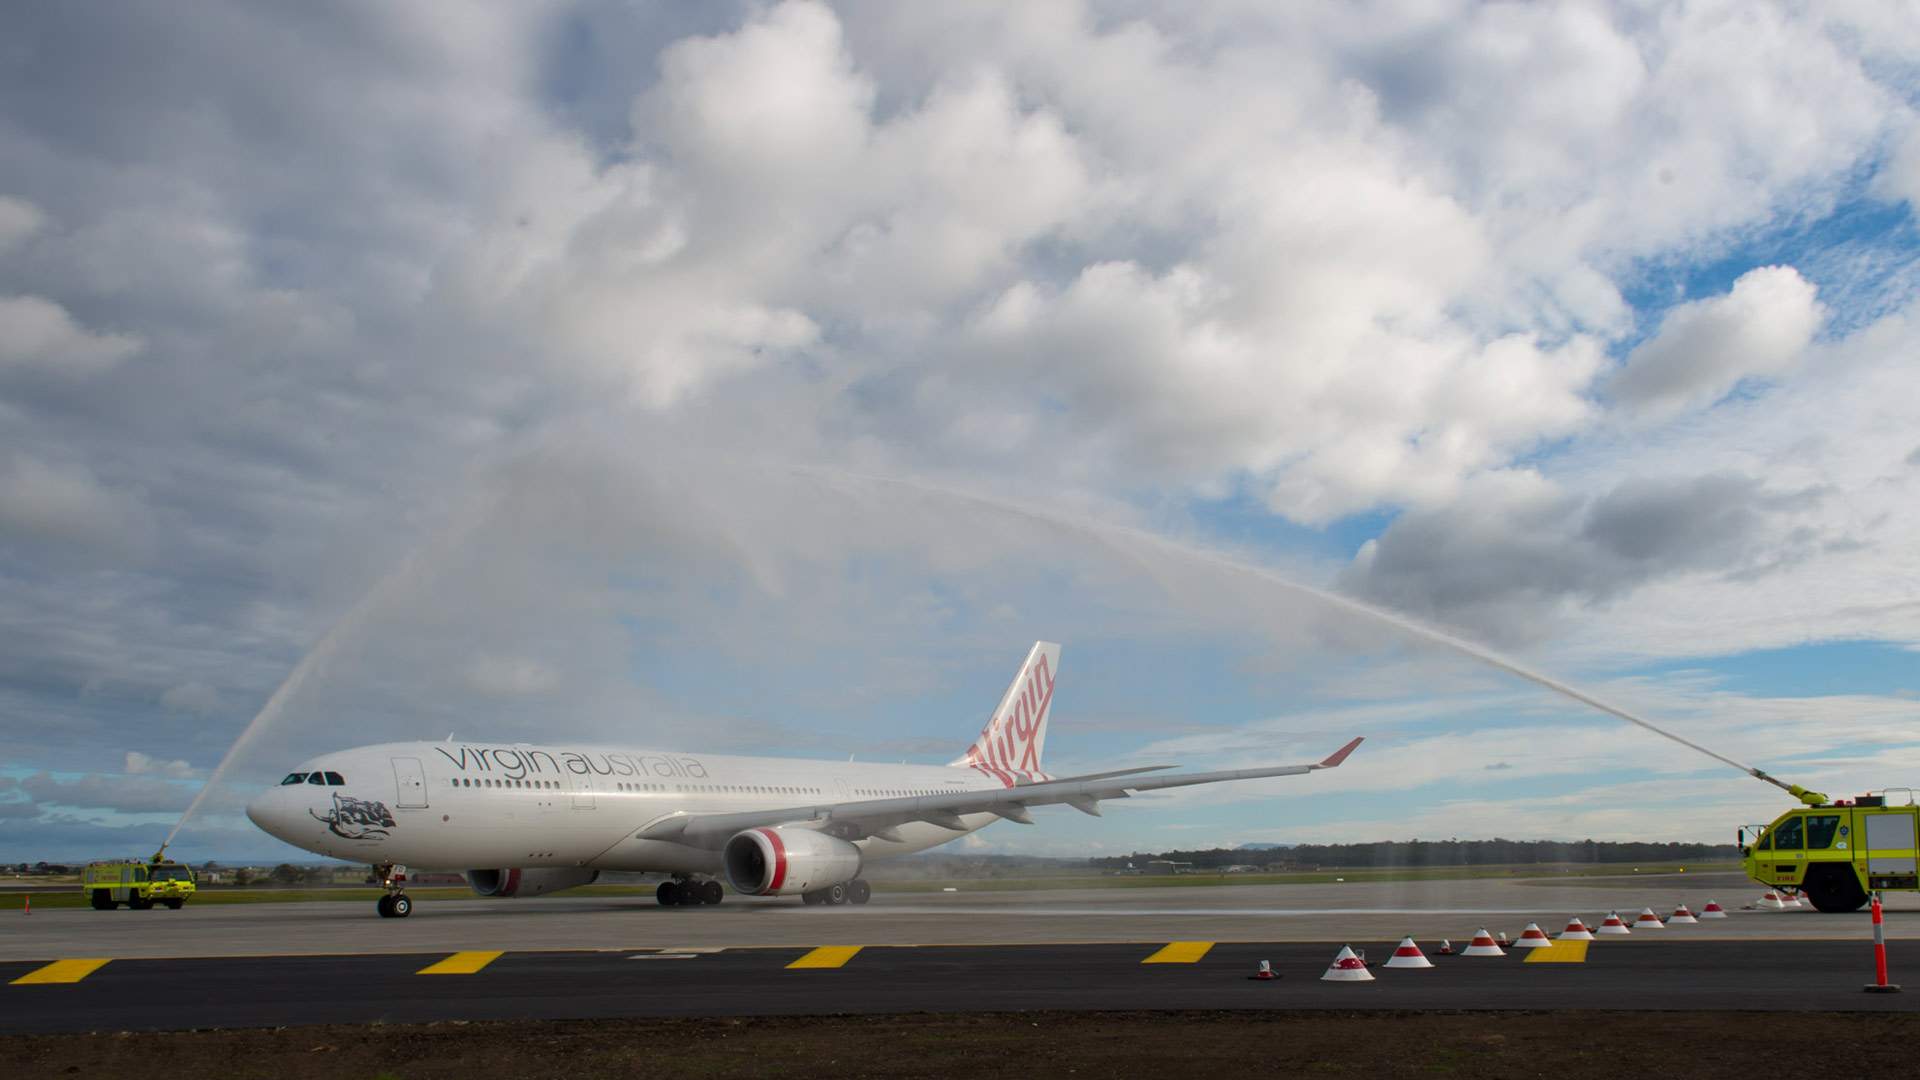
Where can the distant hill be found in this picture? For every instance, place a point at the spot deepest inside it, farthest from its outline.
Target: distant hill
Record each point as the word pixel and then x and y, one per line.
pixel 1402 853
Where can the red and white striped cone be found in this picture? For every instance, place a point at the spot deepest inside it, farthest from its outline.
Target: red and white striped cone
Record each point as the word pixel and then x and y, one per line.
pixel 1772 902
pixel 1408 955
pixel 1264 972
pixel 1483 945
pixel 1648 921
pixel 1347 967
pixel 1792 899
pixel 1879 985
pixel 1682 917
pixel 1713 910
pixel 1576 931
pixel 1613 927
pixel 1501 939
pixel 1445 949
pixel 1532 938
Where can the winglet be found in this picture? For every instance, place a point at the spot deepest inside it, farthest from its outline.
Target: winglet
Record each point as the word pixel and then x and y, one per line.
pixel 1340 755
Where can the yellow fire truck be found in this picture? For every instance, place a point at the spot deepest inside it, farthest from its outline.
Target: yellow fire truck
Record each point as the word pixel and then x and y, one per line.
pixel 1836 852
pixel 139 885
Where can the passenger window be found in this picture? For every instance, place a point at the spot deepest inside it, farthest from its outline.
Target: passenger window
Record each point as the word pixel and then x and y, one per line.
pixel 1787 836
pixel 1820 830
pixel 334 779
pixel 294 778
pixel 317 779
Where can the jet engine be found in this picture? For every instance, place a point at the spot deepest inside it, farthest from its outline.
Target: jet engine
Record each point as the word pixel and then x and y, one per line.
pixel 539 882
pixel 785 860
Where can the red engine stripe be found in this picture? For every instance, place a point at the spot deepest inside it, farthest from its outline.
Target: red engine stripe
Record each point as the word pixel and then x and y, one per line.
pixel 513 882
pixel 779 860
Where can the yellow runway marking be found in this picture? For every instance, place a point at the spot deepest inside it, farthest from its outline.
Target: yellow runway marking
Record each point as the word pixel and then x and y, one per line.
pixel 1180 952
pixel 61 971
pixel 826 956
pixel 1560 952
pixel 460 963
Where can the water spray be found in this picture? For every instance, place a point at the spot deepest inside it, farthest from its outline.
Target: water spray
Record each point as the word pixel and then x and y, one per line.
pixel 1332 599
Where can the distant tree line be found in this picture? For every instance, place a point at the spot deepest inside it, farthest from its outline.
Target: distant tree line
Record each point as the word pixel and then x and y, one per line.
pixel 1397 853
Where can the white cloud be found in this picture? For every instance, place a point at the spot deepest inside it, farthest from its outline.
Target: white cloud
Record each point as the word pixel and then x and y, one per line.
pixel 194 698
pixel 511 676
pixel 1704 347
pixel 19 219
pixel 139 764
pixel 38 334
pixel 63 503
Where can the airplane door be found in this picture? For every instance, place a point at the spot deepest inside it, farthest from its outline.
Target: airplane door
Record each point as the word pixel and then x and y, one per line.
pixel 411 780
pixel 582 790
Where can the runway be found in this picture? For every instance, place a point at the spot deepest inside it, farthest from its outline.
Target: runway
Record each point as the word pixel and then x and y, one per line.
pixel 131 995
pixel 1372 911
pixel 71 970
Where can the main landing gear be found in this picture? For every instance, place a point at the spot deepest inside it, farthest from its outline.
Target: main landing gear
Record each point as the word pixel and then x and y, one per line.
pixel 856 891
pixel 396 904
pixel 686 892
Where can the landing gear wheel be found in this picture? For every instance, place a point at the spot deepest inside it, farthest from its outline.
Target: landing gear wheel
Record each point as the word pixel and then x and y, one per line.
pixel 668 893
pixel 401 907
pixel 859 891
pixel 811 898
pixel 711 893
pixel 837 893
pixel 384 906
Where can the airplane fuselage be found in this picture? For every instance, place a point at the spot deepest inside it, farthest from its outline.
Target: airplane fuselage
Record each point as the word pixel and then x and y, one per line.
pixel 465 806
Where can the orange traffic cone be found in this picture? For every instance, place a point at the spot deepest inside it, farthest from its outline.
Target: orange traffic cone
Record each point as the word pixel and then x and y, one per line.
pixel 1532 938
pixel 1713 910
pixel 1648 921
pixel 1482 945
pixel 1682 917
pixel 1408 955
pixel 1576 931
pixel 1445 949
pixel 1347 967
pixel 1613 927
pixel 29 908
pixel 1264 972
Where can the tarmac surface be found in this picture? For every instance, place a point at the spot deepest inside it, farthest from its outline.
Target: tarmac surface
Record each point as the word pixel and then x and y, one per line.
pixel 238 965
pixel 1369 911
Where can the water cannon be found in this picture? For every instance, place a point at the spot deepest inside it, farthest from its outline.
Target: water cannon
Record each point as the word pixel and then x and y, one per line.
pixel 1811 798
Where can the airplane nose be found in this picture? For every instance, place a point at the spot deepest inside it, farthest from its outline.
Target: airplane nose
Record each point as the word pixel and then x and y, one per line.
pixel 267 812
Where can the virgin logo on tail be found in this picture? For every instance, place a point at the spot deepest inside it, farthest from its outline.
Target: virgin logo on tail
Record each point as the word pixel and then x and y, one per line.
pixel 1012 741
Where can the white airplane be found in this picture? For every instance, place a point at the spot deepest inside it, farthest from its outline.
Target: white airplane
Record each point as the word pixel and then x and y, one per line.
pixel 545 818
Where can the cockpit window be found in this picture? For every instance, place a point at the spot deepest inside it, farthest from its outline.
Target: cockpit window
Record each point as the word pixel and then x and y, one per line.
pixel 317 778
pixel 334 779
pixel 294 778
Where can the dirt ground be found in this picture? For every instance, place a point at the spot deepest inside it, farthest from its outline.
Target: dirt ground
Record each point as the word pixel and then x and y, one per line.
pixel 1565 1046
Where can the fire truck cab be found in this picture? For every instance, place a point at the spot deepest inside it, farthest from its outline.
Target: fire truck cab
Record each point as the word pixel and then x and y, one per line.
pixel 1837 852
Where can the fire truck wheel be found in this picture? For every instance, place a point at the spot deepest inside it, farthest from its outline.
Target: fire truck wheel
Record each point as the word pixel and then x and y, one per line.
pixel 136 902
pixel 1835 889
pixel 176 904
pixel 103 900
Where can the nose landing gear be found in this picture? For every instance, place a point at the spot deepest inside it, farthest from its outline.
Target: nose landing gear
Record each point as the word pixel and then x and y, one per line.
pixel 396 904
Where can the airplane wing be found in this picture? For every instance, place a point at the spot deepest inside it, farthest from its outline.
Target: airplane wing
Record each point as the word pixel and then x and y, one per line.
pixel 879 817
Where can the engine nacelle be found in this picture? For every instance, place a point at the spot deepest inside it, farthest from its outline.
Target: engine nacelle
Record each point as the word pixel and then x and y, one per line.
pixel 783 861
pixel 537 882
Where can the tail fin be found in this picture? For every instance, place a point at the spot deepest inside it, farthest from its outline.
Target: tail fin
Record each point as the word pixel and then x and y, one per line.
pixel 1016 734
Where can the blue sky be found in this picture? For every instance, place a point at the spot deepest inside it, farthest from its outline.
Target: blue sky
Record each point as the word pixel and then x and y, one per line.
pixel 765 377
